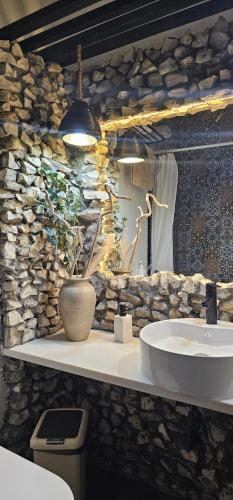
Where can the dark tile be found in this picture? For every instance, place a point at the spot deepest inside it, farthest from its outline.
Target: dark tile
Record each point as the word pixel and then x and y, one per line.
pixel 203 236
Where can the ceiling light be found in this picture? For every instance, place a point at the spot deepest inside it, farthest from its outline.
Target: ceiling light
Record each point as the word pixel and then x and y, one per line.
pixel 79 126
pixel 130 150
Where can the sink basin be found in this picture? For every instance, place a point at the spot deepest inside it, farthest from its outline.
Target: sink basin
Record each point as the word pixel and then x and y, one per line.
pixel 189 357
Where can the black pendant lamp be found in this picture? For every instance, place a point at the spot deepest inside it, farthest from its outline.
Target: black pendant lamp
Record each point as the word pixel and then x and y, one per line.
pixel 130 150
pixel 79 126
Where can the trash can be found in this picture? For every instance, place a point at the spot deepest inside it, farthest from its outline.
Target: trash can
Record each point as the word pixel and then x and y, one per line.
pixel 58 444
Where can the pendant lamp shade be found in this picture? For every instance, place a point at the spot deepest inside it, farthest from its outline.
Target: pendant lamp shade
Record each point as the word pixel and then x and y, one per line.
pixel 130 150
pixel 79 126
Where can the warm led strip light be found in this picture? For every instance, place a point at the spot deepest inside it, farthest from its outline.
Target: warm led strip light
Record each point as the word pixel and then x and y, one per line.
pixel 149 117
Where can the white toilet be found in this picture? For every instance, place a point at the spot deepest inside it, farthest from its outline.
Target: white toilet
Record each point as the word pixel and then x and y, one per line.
pixel 22 479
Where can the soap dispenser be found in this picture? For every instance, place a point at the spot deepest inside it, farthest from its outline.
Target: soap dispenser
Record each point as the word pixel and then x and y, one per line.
pixel 123 330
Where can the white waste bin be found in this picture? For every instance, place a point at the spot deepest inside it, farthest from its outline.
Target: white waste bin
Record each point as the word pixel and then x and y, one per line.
pixel 58 444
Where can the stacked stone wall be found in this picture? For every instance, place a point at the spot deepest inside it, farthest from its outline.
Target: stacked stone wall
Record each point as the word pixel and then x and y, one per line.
pixel 185 69
pixel 158 297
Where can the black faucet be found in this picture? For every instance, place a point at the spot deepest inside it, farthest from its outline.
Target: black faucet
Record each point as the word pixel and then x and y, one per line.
pixel 211 304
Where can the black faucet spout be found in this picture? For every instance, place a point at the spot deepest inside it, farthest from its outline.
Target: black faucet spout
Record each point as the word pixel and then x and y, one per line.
pixel 211 304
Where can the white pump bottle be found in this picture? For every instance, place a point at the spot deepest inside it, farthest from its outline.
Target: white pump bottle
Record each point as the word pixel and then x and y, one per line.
pixel 123 330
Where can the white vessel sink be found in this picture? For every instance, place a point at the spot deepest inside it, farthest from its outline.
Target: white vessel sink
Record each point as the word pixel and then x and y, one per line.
pixel 189 357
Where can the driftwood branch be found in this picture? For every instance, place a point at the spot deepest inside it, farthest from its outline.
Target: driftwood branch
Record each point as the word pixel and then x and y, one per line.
pixel 111 196
pixel 139 222
pixel 80 240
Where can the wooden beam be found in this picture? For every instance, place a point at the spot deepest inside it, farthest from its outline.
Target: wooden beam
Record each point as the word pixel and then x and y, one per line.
pixel 89 21
pixel 116 34
pixel 156 10
pixel 42 17
pixel 148 133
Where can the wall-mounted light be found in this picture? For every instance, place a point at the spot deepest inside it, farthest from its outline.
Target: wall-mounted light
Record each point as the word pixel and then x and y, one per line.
pixel 130 150
pixel 79 126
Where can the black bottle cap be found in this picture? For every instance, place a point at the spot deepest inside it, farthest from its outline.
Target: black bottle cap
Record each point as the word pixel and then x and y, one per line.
pixel 122 309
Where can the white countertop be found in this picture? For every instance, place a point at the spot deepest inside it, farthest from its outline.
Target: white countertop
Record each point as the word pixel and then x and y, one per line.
pixel 40 484
pixel 100 358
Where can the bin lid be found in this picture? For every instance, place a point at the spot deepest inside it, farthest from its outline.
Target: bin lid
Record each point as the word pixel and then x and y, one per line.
pixel 60 429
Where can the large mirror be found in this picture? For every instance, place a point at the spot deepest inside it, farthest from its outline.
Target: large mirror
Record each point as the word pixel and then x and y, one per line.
pixel 185 162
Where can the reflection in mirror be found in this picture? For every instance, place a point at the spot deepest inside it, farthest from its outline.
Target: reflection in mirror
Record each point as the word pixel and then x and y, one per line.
pixel 189 167
pixel 130 149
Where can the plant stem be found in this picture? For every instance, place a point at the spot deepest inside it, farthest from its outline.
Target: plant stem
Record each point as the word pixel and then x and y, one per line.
pixel 109 211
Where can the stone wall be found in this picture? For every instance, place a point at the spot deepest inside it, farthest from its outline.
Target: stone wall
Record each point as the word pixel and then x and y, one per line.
pixel 158 297
pixel 185 69
pixel 33 99
pixel 31 277
pixel 147 438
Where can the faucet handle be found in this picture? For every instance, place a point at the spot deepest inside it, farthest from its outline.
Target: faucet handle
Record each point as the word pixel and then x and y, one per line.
pixel 211 289
pixel 210 286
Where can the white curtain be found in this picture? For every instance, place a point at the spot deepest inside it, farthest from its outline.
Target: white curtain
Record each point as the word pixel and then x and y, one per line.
pixel 166 177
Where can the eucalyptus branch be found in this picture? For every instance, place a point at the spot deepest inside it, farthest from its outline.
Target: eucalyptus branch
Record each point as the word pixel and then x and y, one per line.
pixel 57 216
pixel 76 231
pixel 111 196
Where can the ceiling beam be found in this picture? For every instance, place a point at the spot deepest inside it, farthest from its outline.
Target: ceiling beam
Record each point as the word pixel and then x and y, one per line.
pixel 133 28
pixel 152 132
pixel 42 17
pixel 89 21
pixel 157 10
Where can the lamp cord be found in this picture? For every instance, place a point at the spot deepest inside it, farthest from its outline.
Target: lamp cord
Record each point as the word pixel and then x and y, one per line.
pixel 79 73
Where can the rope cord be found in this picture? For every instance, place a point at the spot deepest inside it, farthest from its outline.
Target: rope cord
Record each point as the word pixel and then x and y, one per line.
pixel 79 73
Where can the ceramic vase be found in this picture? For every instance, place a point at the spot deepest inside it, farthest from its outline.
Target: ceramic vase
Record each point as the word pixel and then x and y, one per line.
pixel 77 301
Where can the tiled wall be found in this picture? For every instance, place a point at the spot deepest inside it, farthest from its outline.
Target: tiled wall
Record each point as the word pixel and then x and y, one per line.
pixel 203 229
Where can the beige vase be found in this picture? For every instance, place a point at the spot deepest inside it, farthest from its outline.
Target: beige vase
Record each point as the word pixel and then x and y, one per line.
pixel 77 301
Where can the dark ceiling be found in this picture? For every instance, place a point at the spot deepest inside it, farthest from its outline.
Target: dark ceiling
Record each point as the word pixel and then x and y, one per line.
pixel 104 28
